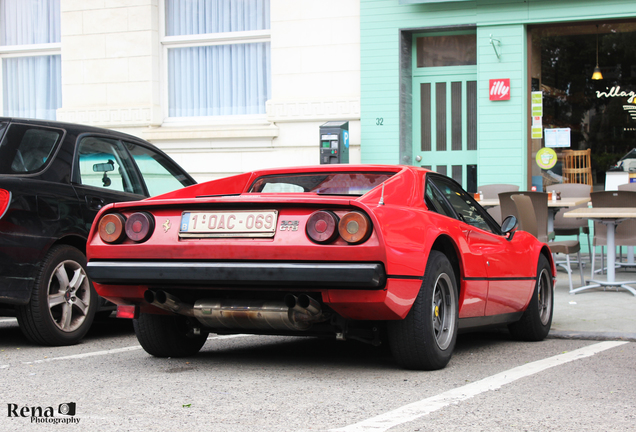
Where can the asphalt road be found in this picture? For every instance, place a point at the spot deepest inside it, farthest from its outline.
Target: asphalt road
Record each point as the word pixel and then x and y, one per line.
pixel 257 383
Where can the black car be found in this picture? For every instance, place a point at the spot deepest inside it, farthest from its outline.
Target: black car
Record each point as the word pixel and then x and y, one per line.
pixel 54 177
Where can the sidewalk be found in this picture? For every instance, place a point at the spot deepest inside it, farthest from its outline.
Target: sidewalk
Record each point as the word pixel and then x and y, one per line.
pixel 594 314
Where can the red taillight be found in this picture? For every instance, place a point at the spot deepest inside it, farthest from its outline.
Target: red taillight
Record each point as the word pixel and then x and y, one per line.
pixel 322 226
pixel 140 226
pixel 111 228
pixel 128 311
pixel 5 200
pixel 354 227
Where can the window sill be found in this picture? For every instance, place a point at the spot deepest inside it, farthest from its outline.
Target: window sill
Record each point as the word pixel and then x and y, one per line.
pixel 197 128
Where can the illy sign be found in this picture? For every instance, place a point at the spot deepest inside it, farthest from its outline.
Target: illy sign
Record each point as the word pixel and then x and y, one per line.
pixel 500 89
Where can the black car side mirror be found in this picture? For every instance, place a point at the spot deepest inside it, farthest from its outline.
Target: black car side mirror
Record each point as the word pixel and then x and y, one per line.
pixel 509 227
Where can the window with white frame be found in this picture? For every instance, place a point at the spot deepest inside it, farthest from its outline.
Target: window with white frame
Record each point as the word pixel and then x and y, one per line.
pixel 30 50
pixel 218 57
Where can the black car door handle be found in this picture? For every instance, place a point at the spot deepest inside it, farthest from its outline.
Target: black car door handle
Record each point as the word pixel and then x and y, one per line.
pixel 95 203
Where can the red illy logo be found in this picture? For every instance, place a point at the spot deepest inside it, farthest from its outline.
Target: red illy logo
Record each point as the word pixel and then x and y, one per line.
pixel 500 89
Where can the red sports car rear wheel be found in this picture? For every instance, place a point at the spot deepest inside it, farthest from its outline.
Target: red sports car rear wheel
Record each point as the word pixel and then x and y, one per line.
pixel 536 321
pixel 425 339
pixel 168 335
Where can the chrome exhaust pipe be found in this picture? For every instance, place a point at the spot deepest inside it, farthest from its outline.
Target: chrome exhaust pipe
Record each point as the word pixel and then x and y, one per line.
pixel 293 313
pixel 311 306
pixel 167 301
pixel 247 314
pixel 303 308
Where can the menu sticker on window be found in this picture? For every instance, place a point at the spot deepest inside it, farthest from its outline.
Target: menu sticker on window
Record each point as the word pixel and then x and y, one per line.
pixel 559 137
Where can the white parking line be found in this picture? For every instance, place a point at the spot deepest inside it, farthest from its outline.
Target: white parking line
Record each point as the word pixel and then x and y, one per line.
pixel 6 320
pixel 84 355
pixel 424 407
pixel 109 352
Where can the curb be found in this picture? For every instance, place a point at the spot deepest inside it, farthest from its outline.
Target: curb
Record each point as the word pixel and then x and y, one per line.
pixel 601 336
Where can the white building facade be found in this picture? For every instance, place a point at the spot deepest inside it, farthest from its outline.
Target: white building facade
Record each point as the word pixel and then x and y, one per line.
pixel 223 86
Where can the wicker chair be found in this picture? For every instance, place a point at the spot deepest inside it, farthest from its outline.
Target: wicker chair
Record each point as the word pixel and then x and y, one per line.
pixel 577 167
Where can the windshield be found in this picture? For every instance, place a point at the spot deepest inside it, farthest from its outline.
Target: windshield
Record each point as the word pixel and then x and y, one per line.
pixel 339 183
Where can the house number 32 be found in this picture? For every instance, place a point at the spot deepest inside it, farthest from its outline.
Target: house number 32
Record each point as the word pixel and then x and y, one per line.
pixel 379 121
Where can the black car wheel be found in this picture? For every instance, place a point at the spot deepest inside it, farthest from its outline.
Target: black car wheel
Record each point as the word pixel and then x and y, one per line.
pixel 425 339
pixel 536 321
pixel 168 335
pixel 63 300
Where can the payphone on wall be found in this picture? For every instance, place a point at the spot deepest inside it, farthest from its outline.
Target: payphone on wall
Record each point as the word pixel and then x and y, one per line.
pixel 334 142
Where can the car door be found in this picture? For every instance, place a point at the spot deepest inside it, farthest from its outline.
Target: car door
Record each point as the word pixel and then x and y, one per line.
pixel 491 260
pixel 446 197
pixel 104 173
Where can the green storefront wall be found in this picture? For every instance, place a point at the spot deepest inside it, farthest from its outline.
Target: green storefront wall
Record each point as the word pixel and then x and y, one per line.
pixel 386 27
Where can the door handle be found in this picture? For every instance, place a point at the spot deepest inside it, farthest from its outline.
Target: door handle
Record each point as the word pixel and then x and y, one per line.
pixel 418 158
pixel 94 203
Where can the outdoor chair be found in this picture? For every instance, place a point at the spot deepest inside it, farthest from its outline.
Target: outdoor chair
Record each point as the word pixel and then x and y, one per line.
pixel 625 231
pixel 540 202
pixel 492 191
pixel 627 187
pixel 530 217
pixel 569 226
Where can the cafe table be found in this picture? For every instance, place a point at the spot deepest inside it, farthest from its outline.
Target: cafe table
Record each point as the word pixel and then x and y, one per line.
pixel 610 216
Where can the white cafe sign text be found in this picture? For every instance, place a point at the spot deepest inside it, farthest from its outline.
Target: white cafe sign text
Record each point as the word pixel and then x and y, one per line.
pixel 616 92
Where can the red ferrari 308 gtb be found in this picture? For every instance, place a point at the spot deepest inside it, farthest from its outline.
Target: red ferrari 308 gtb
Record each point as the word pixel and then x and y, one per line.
pixel 356 252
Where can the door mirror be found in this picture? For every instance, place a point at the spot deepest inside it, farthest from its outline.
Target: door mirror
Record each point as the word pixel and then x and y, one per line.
pixel 509 227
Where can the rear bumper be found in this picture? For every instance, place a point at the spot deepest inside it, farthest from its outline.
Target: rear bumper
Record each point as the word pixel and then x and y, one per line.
pixel 364 276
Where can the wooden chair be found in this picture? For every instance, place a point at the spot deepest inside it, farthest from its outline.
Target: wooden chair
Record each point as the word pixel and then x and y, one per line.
pixel 577 167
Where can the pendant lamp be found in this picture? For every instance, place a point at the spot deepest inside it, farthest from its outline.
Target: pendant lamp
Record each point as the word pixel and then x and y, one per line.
pixel 597 75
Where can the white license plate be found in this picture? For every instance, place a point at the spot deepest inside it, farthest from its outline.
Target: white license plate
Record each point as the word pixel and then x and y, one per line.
pixel 241 223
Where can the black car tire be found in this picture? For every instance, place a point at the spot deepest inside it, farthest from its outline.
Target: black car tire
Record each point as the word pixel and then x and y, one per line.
pixel 63 300
pixel 536 321
pixel 425 339
pixel 168 335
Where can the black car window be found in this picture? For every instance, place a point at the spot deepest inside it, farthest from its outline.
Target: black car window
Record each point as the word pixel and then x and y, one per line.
pixel 159 174
pixel 462 203
pixel 26 149
pixel 435 201
pixel 105 163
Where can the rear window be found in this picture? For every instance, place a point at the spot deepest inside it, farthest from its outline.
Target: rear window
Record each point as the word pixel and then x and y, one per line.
pixel 323 183
pixel 27 149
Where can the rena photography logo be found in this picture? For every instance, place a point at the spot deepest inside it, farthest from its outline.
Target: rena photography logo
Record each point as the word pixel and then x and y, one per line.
pixel 65 413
